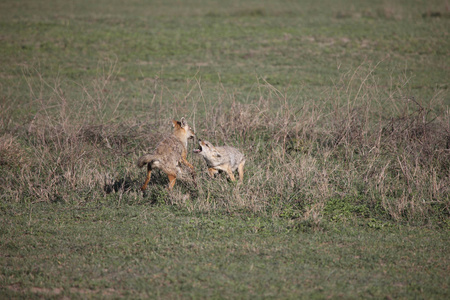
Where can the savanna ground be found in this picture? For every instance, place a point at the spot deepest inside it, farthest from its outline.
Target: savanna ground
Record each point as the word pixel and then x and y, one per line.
pixel 341 108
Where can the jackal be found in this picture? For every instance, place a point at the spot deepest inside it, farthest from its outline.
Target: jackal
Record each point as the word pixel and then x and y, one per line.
pixel 224 158
pixel 170 154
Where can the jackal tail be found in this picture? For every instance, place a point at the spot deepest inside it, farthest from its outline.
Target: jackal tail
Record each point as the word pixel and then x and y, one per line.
pixel 145 159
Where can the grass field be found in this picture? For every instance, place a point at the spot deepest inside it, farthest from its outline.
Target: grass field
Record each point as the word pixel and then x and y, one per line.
pixel 341 108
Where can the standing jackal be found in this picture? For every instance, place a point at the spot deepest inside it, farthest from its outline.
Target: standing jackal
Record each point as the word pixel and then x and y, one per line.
pixel 169 154
pixel 225 158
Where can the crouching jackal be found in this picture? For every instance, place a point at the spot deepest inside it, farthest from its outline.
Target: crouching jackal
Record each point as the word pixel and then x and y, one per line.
pixel 169 154
pixel 225 158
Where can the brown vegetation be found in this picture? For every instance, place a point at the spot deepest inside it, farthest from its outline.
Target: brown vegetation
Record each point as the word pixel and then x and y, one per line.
pixel 389 153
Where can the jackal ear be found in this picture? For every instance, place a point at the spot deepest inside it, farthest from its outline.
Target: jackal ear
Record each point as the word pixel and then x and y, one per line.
pixel 175 123
pixel 183 122
pixel 217 154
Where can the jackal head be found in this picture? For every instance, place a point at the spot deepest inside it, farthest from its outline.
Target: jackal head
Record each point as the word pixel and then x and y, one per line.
pixel 182 129
pixel 207 149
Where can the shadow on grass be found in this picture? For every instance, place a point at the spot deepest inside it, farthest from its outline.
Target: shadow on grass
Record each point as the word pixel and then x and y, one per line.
pixel 122 185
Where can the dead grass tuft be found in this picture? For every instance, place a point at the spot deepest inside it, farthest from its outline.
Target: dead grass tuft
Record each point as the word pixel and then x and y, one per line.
pixel 381 151
pixel 11 152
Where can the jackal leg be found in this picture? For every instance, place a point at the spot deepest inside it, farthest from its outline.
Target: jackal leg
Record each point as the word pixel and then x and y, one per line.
pixel 241 171
pixel 149 174
pixel 230 173
pixel 212 172
pixel 184 161
pixel 172 179
pixel 193 178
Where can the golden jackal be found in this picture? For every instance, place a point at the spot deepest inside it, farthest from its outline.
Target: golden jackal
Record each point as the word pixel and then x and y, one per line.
pixel 225 158
pixel 169 154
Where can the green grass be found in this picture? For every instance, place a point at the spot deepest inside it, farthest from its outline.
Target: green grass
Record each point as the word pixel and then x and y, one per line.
pixel 143 251
pixel 341 108
pixel 289 44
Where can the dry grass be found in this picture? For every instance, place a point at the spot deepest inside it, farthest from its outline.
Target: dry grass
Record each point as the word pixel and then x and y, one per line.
pixel 382 149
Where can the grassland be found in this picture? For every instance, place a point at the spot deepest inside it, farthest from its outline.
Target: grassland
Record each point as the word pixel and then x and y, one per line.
pixel 341 107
